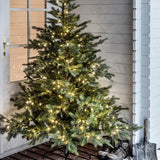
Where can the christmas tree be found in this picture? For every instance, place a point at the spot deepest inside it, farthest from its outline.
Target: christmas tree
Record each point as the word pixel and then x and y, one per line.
pixel 62 99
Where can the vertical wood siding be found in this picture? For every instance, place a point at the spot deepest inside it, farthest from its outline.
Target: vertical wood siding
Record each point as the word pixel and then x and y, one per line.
pixel 113 19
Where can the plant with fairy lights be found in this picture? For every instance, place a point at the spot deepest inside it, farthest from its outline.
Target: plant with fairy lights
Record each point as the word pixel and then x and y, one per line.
pixel 62 99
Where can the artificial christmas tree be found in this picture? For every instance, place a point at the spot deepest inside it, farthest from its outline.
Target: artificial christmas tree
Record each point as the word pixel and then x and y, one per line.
pixel 61 98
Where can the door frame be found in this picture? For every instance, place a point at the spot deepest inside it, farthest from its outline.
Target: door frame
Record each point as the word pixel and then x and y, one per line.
pixel 6 87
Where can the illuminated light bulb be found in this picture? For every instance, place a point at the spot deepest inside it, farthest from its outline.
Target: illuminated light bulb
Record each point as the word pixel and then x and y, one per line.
pixel 63 139
pixel 8 127
pixel 127 127
pixel 57 112
pixel 113 117
pixel 32 103
pixel 91 109
pixel 83 81
pixel 59 21
pixel 60 96
pixel 83 121
pixel 45 44
pixel 58 132
pixel 66 11
pixel 98 137
pixel 52 36
pixel 5 120
pixel 56 122
pixel 54 127
pixel 53 88
pixel 50 111
pixel 110 125
pixel 63 136
pixel 54 83
pixel 57 59
pixel 79 45
pixel 48 129
pixel 74 27
pixel 93 73
pixel 65 4
pixel 58 86
pixel 88 136
pixel 52 120
pixel 77 35
pixel 93 66
pixel 57 1
pixel 67 30
pixel 82 128
pixel 67 44
pixel 67 61
pixel 117 130
pixel 114 133
pixel 27 102
pixel 107 106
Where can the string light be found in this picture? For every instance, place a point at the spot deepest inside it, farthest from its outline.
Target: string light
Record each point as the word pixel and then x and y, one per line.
pixel 50 111
pixel 127 127
pixel 66 11
pixel 82 128
pixel 48 129
pixel 114 133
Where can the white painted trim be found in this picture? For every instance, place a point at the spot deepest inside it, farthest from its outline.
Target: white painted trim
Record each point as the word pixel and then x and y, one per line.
pixel 136 66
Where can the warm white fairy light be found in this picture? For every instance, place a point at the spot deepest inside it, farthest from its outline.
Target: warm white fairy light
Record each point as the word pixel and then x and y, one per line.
pixel 82 128
pixel 113 133
pixel 66 11
pixel 27 102
pixel 51 111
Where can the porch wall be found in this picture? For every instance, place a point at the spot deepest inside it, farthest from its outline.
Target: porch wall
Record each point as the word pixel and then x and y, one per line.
pixel 113 19
pixel 155 72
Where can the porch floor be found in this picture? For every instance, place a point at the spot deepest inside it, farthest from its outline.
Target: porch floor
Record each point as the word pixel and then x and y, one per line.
pixel 45 152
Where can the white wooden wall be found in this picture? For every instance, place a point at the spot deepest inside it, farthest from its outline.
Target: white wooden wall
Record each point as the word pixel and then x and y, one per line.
pixel 155 72
pixel 113 19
